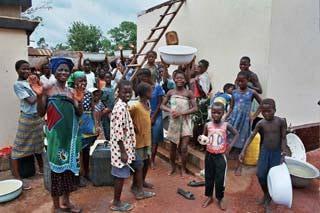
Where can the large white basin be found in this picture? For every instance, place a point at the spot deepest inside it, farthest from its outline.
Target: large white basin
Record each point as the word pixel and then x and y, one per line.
pixel 296 147
pixel 279 185
pixel 177 54
pixel 10 189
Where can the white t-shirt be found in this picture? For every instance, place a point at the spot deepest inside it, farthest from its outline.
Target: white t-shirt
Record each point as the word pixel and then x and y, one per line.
pixel 48 82
pixel 118 76
pixel 91 80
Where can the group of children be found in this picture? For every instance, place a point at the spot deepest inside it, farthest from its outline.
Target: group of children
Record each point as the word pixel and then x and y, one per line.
pixel 75 107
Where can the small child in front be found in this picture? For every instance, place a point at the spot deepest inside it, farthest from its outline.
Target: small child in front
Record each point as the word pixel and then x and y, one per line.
pixel 273 145
pixel 123 143
pixel 217 148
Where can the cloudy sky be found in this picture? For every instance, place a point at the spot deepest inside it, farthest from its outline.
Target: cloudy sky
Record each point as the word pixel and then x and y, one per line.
pixel 103 13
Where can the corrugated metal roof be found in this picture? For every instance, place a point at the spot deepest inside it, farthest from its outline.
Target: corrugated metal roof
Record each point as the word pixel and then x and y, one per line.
pixel 39 52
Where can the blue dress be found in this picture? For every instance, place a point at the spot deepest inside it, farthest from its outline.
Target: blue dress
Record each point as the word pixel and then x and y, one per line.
pixel 240 116
pixel 157 127
pixel 108 100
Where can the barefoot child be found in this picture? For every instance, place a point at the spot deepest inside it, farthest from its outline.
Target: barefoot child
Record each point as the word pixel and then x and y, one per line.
pixel 156 112
pixel 140 114
pixel 273 146
pixel 123 142
pixel 239 113
pixel 63 108
pixel 217 148
pixel 182 105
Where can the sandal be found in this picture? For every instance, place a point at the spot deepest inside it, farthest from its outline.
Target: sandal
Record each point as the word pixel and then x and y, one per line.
pixel 186 194
pixel 123 207
pixel 144 195
pixel 71 208
pixel 194 183
pixel 25 185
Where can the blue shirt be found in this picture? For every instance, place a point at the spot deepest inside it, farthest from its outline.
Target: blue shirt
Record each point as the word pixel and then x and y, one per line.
pixel 157 91
pixel 23 90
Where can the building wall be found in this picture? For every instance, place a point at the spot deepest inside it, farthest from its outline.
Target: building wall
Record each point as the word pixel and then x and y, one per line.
pixel 275 34
pixel 13 47
pixel 295 60
pixel 11 11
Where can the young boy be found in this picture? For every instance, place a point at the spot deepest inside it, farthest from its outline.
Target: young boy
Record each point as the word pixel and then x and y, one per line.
pixel 152 66
pixel 91 79
pixel 123 143
pixel 47 78
pixel 254 82
pixel 140 114
pixel 215 160
pixel 224 97
pixel 273 146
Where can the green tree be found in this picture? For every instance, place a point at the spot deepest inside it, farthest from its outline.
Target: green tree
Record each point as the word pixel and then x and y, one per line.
pixel 124 35
pixel 82 37
pixel 106 46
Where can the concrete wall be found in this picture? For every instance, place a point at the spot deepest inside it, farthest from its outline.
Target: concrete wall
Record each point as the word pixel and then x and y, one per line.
pixel 295 60
pixel 11 11
pixel 13 47
pixel 275 34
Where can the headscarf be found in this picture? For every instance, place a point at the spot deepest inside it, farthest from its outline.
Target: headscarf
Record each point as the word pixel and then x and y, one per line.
pixel 72 78
pixel 56 62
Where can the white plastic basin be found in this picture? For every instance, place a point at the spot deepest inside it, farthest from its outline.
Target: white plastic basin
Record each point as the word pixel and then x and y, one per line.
pixel 10 189
pixel 296 147
pixel 279 185
pixel 177 54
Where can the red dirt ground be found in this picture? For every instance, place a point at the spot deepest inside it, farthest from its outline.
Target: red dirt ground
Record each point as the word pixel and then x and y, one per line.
pixel 241 194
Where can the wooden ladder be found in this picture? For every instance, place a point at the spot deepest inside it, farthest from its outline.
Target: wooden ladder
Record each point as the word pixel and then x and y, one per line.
pixel 158 27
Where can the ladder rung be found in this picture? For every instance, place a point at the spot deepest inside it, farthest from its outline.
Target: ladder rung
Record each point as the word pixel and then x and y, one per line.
pixel 151 40
pixel 141 54
pixel 167 14
pixel 134 65
pixel 160 27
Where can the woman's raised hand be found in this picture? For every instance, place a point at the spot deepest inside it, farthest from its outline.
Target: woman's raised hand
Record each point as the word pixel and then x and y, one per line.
pixel 35 84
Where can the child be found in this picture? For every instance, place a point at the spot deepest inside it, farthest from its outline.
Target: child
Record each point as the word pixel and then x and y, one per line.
pixel 122 143
pixel 254 82
pixel 91 79
pixel 182 105
pixel 239 113
pixel 273 145
pixel 47 79
pixel 217 148
pixel 140 114
pixel 108 99
pixel 101 81
pixel 224 97
pixel 29 138
pixel 156 112
pixel 152 66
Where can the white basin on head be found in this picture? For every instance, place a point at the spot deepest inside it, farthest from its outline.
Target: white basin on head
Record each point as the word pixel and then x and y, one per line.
pixel 279 185
pixel 296 147
pixel 177 54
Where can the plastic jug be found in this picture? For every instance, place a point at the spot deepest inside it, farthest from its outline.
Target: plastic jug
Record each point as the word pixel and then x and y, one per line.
pixel 100 166
pixel 252 153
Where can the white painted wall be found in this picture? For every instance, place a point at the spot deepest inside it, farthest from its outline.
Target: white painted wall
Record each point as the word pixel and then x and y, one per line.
pixel 275 34
pixel 13 47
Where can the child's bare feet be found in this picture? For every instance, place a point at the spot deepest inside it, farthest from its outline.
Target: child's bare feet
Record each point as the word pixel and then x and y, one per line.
pixel 148 185
pixel 172 172
pixel 222 205
pixel 153 165
pixel 183 173
pixel 238 171
pixel 207 202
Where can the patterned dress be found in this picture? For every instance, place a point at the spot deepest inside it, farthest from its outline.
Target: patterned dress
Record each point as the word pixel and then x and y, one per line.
pixel 240 116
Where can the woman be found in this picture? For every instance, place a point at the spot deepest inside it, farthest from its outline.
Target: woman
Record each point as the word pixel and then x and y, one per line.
pixel 63 107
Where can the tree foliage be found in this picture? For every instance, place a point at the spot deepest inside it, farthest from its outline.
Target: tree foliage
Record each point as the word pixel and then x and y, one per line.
pixel 84 37
pixel 123 35
pixel 61 46
pixel 41 43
